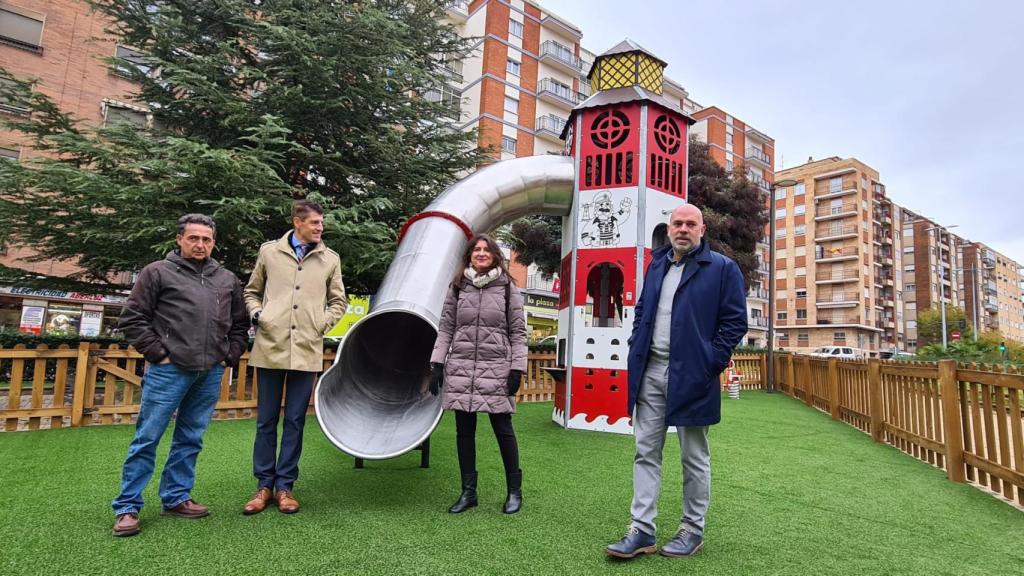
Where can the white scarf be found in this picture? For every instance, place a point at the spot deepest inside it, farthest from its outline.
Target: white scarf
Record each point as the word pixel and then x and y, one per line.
pixel 481 280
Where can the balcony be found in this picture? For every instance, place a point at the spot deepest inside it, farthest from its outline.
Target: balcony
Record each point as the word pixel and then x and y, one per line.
pixel 828 211
pixel 839 319
pixel 837 300
pixel 560 56
pixel 886 239
pixel 757 322
pixel 560 27
pixel 554 92
pixel 762 268
pixel 758 157
pixel 836 276
pixel 826 193
pixel 990 287
pixel 834 231
pixel 988 257
pixel 458 10
pixel 550 127
pixel 992 305
pixel 757 135
pixel 822 254
pixel 758 294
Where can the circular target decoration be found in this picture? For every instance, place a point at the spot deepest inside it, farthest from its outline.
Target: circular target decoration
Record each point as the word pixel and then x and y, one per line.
pixel 667 134
pixel 609 129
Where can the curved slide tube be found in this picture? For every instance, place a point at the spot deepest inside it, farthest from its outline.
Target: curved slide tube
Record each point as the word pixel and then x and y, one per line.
pixel 373 403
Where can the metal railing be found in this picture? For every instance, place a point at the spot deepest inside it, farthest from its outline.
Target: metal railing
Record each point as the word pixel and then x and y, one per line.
pixel 559 90
pixel 561 53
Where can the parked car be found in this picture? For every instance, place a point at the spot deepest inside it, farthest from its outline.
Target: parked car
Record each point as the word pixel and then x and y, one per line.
pixel 839 352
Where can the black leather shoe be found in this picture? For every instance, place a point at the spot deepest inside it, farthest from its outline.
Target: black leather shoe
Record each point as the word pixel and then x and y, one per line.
pixel 685 543
pixel 633 544
pixel 467 499
pixel 514 501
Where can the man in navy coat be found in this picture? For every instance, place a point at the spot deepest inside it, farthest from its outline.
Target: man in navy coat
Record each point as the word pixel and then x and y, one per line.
pixel 690 315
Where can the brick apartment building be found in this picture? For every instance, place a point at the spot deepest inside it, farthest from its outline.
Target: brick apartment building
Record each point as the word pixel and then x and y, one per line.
pixel 838 259
pixel 61 43
pixel 733 143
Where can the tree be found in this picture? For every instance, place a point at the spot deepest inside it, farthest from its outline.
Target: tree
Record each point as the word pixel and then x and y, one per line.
pixel 254 104
pixel 733 208
pixel 929 324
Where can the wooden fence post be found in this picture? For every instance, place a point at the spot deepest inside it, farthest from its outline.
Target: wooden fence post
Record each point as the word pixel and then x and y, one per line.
pixel 875 409
pixel 953 436
pixel 78 394
pixel 764 370
pixel 791 373
pixel 808 381
pixel 833 387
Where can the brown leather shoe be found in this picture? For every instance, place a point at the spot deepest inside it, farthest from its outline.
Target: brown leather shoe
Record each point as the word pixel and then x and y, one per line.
pixel 263 497
pixel 126 524
pixel 187 509
pixel 286 502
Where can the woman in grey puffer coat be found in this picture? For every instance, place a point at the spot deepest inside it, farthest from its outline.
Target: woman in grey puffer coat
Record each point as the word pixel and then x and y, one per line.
pixel 479 359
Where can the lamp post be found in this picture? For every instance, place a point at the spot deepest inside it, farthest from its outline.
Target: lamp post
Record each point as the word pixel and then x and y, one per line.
pixel 942 289
pixel 770 376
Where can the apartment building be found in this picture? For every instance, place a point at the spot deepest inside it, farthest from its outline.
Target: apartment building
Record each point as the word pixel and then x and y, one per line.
pixel 733 143
pixel 931 259
pixel 993 297
pixel 62 44
pixel 837 259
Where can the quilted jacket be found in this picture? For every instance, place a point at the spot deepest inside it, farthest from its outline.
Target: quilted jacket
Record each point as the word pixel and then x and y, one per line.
pixel 479 347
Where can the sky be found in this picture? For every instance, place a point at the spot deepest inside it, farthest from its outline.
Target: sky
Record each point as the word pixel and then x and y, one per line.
pixel 929 93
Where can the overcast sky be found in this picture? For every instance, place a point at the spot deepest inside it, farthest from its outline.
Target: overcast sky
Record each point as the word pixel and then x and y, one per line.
pixel 929 93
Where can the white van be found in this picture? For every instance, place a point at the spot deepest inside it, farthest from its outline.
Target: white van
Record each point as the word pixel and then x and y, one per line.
pixel 839 352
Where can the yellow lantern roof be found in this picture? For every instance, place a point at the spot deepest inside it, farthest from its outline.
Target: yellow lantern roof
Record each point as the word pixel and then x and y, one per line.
pixel 625 65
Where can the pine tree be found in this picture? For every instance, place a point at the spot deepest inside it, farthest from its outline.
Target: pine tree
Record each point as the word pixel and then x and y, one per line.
pixel 254 104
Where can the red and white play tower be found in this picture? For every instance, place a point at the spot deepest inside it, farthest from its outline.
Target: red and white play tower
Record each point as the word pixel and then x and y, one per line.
pixel 629 145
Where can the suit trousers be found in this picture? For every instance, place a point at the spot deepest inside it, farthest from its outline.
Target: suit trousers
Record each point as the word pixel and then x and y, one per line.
pixel 273 470
pixel 649 428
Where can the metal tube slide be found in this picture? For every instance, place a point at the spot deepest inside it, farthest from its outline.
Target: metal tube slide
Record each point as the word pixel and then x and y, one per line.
pixel 373 403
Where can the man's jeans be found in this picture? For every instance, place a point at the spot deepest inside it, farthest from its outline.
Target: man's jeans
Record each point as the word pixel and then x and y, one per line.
pixel 167 388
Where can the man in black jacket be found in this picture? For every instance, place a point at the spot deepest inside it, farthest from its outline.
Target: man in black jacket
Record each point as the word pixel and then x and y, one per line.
pixel 187 317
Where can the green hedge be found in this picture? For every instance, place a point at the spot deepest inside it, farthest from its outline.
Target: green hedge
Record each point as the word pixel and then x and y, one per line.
pixel 10 338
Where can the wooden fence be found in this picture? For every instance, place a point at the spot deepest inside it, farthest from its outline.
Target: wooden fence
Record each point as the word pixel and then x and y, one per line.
pixel 89 385
pixel 966 419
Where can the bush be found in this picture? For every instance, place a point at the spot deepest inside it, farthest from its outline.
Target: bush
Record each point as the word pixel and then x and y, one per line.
pixel 10 338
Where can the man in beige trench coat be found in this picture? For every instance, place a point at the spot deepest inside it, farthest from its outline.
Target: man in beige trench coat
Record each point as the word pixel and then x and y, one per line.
pixel 294 296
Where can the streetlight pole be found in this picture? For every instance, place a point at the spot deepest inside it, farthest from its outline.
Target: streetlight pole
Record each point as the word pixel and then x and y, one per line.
pixel 769 378
pixel 938 268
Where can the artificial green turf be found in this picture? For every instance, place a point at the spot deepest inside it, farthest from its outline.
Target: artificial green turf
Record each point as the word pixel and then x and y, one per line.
pixel 793 493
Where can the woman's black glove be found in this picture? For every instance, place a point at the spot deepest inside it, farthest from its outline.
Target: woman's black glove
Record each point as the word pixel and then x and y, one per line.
pixel 436 377
pixel 515 378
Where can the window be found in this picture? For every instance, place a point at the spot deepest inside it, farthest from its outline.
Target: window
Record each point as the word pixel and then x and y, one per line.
pixel 780 294
pixel 780 274
pixel 800 251
pixel 799 230
pixel 801 313
pixel 21 28
pixel 450 97
pixel 515 28
pixel 840 336
pixel 728 139
pixel 513 67
pixel 9 153
pixel 798 190
pixel 511 105
pixel 728 170
pixel 802 337
pixel 780 193
pixel 780 233
pixel 910 287
pixel 781 315
pixel 784 336
pixel 508 144
pixel 835 184
pixel 10 106
pixel 135 59
pixel 114 114
pixel 780 213
pixel 911 324
pixel 800 271
pixel 801 293
pixel 799 209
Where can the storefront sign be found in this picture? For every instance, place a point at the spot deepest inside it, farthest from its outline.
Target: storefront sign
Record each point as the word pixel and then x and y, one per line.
pixel 92 321
pixel 358 306
pixel 65 295
pixel 32 319
pixel 541 301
